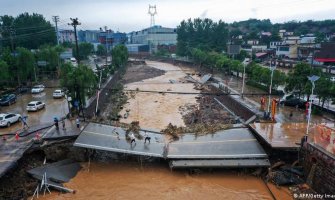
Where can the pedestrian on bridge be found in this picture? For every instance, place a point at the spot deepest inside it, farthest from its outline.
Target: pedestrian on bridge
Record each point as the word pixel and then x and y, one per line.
pixel 63 124
pixel 56 122
pixel 146 137
pixel 78 122
pixel 132 139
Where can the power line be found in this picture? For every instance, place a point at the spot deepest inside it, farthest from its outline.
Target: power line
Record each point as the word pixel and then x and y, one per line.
pixel 28 35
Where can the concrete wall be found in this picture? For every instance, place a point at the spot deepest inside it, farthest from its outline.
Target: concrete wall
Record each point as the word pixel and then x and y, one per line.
pixel 323 178
pixel 90 109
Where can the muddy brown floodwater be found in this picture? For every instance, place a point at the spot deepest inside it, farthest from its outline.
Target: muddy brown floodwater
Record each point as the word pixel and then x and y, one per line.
pixel 156 181
pixel 130 181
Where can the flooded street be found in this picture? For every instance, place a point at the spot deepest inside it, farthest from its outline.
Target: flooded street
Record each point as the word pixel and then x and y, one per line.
pixel 155 110
pixel 129 181
pixel 282 113
pixel 53 108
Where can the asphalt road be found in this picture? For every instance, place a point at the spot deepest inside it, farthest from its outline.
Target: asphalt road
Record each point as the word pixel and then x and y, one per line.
pixel 53 108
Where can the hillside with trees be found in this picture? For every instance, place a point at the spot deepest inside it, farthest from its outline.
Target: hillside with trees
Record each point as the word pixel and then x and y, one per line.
pixel 208 35
pixel 26 30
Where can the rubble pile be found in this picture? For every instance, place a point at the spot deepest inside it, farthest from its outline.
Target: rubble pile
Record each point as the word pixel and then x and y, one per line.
pixel 134 127
pixel 173 131
pixel 204 128
pixel 209 116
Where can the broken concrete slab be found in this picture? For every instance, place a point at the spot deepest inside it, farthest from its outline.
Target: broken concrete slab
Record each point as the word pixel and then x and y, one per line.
pixel 205 78
pixel 59 172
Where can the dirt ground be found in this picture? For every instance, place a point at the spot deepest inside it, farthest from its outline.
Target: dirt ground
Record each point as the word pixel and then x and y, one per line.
pixel 136 73
pixel 17 184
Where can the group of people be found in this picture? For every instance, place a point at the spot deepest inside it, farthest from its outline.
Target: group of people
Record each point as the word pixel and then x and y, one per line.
pixel 63 123
pixel 146 138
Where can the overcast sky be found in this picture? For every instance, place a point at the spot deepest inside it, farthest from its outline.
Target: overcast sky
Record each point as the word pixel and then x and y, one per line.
pixel 130 15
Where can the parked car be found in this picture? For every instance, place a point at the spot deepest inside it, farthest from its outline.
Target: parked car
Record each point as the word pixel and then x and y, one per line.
pixel 58 94
pixel 8 99
pixel 293 101
pixel 35 106
pixel 37 89
pixel 22 89
pixel 6 119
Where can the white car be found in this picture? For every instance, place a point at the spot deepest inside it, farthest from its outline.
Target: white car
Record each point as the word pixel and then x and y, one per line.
pixel 6 119
pixel 37 89
pixel 35 106
pixel 58 94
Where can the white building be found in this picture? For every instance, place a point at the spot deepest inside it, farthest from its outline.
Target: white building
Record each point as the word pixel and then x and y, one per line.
pixel 154 36
pixel 66 36
pixel 274 44
pixel 258 48
pixel 307 40
pixel 288 51
pixel 291 40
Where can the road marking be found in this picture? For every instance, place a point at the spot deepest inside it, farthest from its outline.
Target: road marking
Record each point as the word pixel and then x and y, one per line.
pixel 116 150
pixel 222 141
pixel 104 134
pixel 216 156
pixel 115 136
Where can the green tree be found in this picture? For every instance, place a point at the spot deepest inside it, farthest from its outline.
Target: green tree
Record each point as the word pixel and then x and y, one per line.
pixel 297 79
pixel 119 56
pixel 50 55
pixel 11 62
pixel 85 49
pixel 101 50
pixel 323 89
pixel 203 34
pixel 31 31
pixel 4 75
pixel 25 65
pixel 199 56
pixel 80 81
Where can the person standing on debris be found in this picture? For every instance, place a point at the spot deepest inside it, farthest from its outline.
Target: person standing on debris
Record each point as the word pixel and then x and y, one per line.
pixel 146 137
pixel 24 122
pixel 78 122
pixel 132 138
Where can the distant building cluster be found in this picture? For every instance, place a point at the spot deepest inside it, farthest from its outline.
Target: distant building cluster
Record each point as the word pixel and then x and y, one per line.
pixel 143 42
pixel 288 50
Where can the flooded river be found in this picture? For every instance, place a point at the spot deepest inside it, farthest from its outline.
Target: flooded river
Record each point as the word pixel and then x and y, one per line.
pixel 130 181
pixel 157 181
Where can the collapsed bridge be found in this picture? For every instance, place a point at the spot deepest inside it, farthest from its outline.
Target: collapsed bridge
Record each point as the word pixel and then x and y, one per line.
pixel 233 148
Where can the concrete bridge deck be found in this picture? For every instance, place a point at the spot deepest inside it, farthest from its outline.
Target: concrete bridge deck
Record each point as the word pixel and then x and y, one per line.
pixel 227 148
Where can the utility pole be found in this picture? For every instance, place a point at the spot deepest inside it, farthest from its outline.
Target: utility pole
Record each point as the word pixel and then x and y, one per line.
pixel 56 19
pixel 106 45
pixel 11 33
pixel 75 23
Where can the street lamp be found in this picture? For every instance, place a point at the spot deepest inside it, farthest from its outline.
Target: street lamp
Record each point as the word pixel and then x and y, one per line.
pixel 312 78
pixel 69 99
pixel 272 68
pixel 243 79
pixel 98 93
